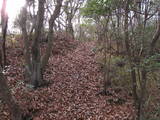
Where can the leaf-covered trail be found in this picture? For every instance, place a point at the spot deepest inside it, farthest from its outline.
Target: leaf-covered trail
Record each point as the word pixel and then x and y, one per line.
pixel 75 79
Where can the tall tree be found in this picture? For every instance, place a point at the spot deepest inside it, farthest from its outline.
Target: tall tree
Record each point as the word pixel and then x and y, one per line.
pixel 4 23
pixel 70 9
pixel 35 63
pixel 137 17
pixel 5 92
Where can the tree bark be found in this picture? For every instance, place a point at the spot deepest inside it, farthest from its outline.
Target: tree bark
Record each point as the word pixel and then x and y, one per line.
pixel 1 64
pixel 56 13
pixel 36 77
pixel 156 35
pixel 6 96
pixel 4 22
pixel 127 44
pixel 27 53
pixel 70 9
pixel 141 100
pixel 69 16
pixel 35 64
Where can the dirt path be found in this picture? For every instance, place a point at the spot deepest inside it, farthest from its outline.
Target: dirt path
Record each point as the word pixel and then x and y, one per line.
pixel 75 79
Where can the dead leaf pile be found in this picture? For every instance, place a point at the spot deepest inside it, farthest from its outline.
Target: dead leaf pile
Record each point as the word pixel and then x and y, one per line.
pixel 63 43
pixel 75 79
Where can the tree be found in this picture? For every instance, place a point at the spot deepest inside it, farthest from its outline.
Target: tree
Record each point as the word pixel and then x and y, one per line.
pixel 5 93
pixel 35 63
pixel 130 23
pixel 100 11
pixel 4 23
pixel 70 9
pixel 156 35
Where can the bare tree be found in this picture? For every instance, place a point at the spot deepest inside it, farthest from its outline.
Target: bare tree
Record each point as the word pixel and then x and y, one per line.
pixel 156 35
pixel 35 63
pixel 4 23
pixel 5 92
pixel 70 9
pixel 128 49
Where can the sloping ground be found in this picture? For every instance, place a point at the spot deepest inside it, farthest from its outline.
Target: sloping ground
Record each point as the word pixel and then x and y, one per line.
pixel 75 79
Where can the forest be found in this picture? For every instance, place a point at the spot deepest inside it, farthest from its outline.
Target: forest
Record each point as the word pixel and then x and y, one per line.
pixel 80 60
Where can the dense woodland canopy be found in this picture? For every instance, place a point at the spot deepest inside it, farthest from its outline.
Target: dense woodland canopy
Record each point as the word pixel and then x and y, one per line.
pixel 81 60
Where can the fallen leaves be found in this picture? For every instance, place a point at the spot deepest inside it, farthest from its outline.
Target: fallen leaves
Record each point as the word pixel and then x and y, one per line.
pixel 74 79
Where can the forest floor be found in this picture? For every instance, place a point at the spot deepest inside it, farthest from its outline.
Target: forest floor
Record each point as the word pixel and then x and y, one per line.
pixel 75 79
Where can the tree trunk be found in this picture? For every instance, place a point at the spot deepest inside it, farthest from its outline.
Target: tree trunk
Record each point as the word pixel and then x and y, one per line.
pixel 1 64
pixel 4 43
pixel 70 26
pixel 36 79
pixel 6 96
pixel 45 58
pixel 36 76
pixel 35 64
pixel 141 101
pixel 134 84
pixel 127 45
pixel 156 35
pixel 4 22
